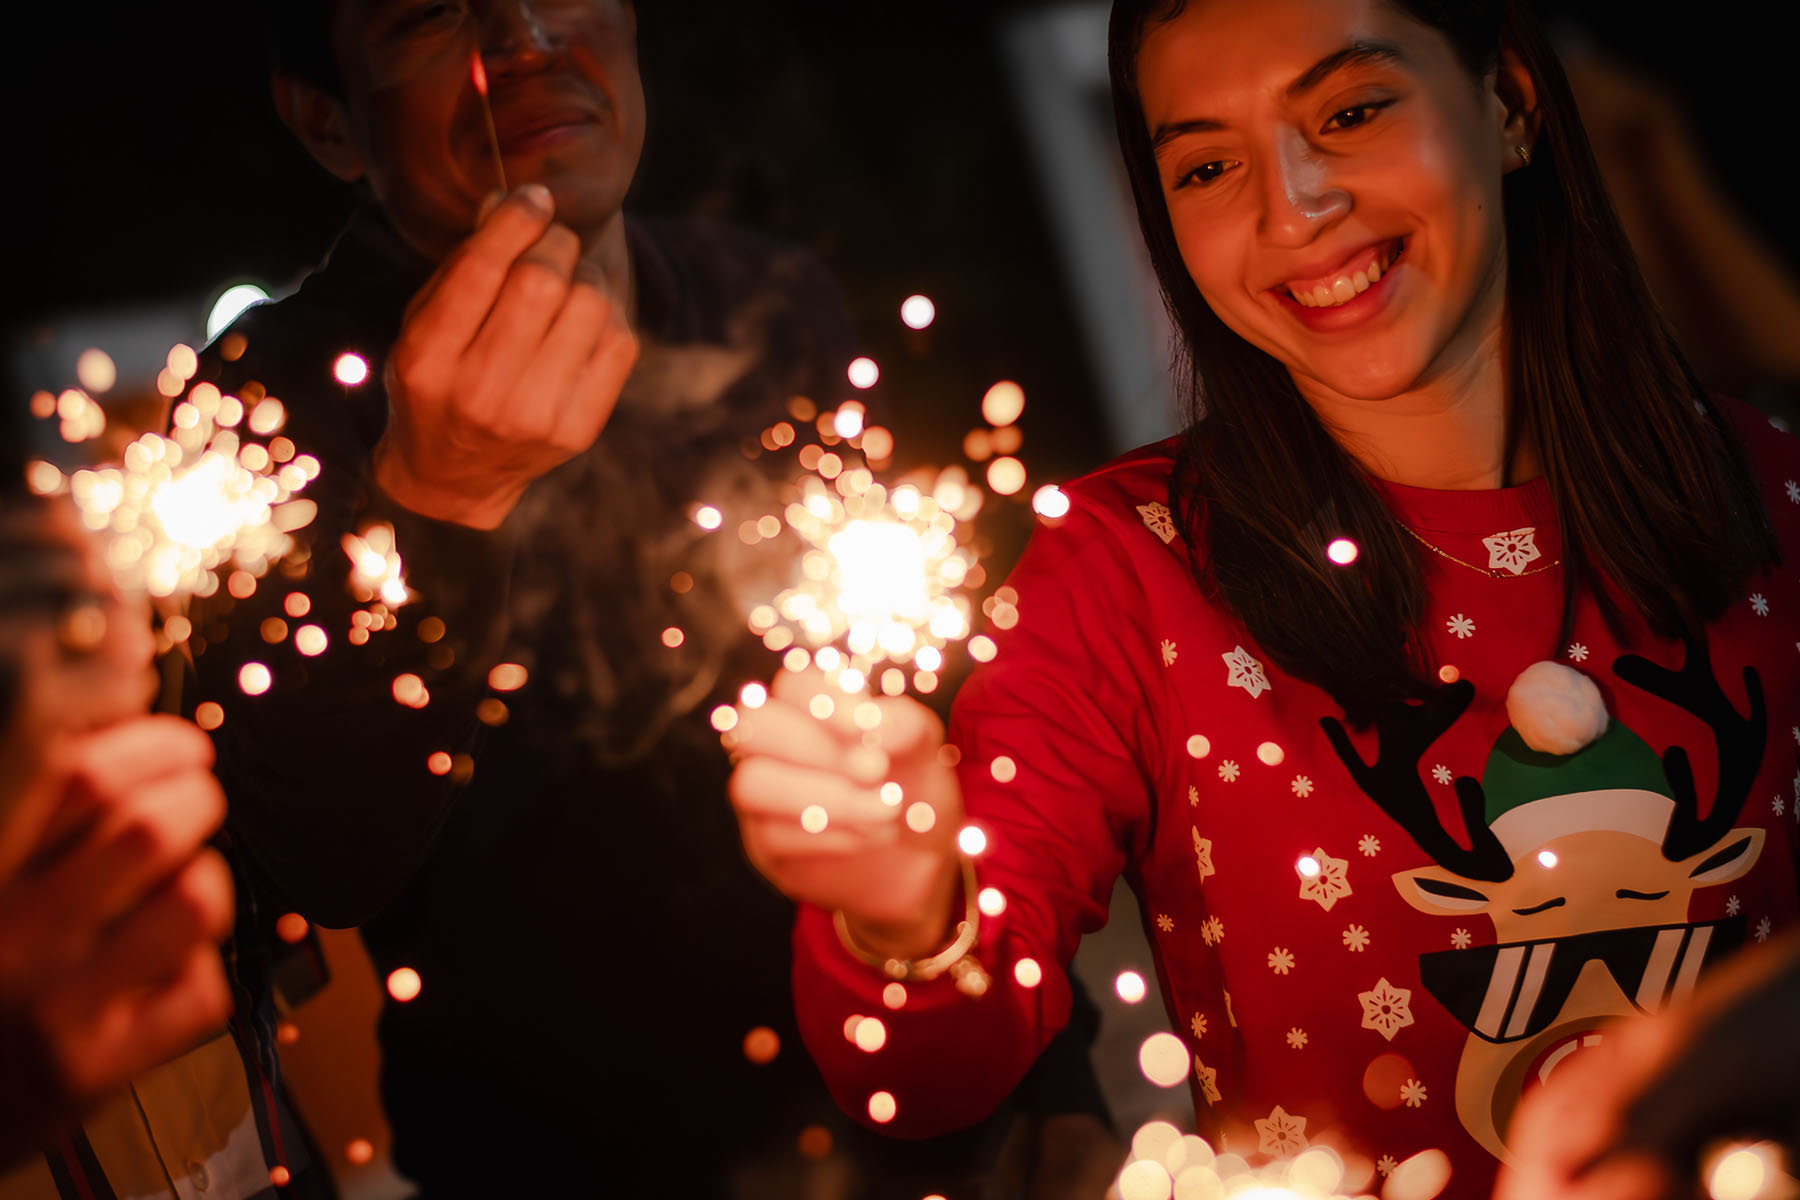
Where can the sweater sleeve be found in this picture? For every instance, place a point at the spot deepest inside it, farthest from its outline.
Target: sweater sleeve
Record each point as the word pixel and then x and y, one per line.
pixel 1055 736
pixel 332 782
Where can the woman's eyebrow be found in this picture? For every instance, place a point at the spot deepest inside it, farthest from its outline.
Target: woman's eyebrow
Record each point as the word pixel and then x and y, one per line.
pixel 1361 52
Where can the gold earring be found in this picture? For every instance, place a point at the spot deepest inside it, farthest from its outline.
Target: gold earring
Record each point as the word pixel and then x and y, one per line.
pixel 1524 155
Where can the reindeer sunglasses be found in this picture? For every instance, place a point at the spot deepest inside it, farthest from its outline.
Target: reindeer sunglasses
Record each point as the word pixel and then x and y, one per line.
pixel 1513 991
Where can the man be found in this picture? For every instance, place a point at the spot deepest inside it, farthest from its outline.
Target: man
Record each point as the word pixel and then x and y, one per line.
pixel 556 861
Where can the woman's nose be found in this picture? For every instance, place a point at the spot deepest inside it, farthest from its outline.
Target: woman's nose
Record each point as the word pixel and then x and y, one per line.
pixel 1299 193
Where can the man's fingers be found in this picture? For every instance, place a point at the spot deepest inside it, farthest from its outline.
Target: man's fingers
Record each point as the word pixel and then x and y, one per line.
pixel 136 1030
pixel 601 380
pixel 194 908
pixel 529 300
pixel 111 761
pixel 132 849
pixel 444 317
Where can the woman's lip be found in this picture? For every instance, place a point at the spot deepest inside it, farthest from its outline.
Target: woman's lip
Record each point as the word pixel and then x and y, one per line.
pixel 1352 312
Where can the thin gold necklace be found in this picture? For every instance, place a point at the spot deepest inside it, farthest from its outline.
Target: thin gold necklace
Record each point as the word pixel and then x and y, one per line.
pixel 1488 571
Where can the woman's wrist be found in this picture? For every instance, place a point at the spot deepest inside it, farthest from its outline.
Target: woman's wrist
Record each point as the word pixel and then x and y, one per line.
pixel 928 933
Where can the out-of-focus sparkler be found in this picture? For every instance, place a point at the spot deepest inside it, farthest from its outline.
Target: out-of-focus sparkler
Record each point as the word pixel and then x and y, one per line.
pixel 219 491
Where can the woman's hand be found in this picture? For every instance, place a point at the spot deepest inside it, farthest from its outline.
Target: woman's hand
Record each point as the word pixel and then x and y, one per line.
pixel 846 802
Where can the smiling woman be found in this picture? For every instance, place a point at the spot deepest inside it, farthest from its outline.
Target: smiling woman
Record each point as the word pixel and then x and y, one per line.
pixel 1447 474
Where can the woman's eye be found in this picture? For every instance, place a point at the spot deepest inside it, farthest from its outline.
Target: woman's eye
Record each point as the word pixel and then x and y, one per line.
pixel 420 16
pixel 1204 175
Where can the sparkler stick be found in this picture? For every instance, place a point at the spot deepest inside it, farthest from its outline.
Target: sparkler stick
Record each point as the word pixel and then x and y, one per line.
pixel 478 74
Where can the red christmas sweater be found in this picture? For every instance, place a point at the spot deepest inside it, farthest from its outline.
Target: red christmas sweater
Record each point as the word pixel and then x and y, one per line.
pixel 1348 960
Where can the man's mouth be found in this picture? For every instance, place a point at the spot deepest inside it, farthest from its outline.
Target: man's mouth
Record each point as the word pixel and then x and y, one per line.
pixel 523 131
pixel 1348 281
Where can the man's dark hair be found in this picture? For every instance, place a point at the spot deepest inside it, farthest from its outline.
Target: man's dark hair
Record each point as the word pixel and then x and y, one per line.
pixel 300 42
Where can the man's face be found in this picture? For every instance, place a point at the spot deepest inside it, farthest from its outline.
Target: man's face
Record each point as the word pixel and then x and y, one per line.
pixel 567 104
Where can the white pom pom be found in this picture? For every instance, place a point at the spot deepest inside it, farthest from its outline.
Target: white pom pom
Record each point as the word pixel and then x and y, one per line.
pixel 1556 709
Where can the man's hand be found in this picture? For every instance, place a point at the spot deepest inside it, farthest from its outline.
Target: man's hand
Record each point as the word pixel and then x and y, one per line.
pixel 508 364
pixel 895 883
pixel 109 931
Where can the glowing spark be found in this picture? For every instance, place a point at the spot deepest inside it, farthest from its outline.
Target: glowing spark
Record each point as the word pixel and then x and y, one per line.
pixel 360 1151
pixel 376 572
pixel 1546 858
pixel 1307 866
pixel 1341 551
pixel 350 369
pixel 1003 403
pixel 871 1035
pixel 991 901
pixel 708 517
pixel 1003 769
pixel 403 984
pixel 863 372
pixel 917 312
pixel 1006 475
pixel 1028 973
pixel 882 1107
pixel 254 678
pixel 1164 1059
pixel 971 840
pixel 96 371
pixel 847 422
pixel 209 715
pixel 761 1045
pixel 1130 987
pixel 1050 501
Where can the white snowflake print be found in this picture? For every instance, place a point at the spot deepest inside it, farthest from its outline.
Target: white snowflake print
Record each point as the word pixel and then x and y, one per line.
pixel 1796 732
pixel 1461 939
pixel 1244 671
pixel 1193 795
pixel 1793 491
pixel 1330 883
pixel 1461 626
pixel 1280 1134
pixel 1762 930
pixel 1209 1081
pixel 1168 653
pixel 1413 1092
pixel 1302 786
pixel 1356 938
pixel 1228 771
pixel 1385 1164
pixel 1759 604
pixel 1386 1009
pixel 1370 845
pixel 1296 1037
pixel 1513 550
pixel 1158 520
pixel 1203 855
pixel 1780 803
pixel 1198 1025
pixel 1733 906
pixel 1212 931
pixel 1165 922
pixel 1577 652
pixel 1441 773
pixel 1281 960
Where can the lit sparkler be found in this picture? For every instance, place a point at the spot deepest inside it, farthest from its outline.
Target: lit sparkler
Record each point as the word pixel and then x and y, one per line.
pixel 220 491
pixel 881 585
pixel 478 76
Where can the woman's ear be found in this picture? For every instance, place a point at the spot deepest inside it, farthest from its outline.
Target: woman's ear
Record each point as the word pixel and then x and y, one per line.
pixel 1521 119
pixel 321 123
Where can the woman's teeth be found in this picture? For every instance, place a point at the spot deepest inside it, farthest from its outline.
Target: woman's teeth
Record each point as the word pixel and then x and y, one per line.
pixel 1347 285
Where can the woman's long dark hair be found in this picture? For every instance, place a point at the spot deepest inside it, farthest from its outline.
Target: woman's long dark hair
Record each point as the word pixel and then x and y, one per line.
pixel 1654 496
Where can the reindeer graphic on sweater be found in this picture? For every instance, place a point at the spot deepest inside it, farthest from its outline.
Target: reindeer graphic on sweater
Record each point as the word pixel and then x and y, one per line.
pixel 1585 849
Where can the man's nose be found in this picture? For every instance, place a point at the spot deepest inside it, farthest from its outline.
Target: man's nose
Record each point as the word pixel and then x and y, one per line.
pixel 514 31
pixel 1299 193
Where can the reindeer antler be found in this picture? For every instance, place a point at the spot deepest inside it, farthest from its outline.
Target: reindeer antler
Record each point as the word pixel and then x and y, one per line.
pixel 1738 739
pixel 1403 733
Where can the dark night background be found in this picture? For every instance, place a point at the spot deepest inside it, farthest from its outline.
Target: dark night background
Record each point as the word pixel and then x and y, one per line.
pixel 882 134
